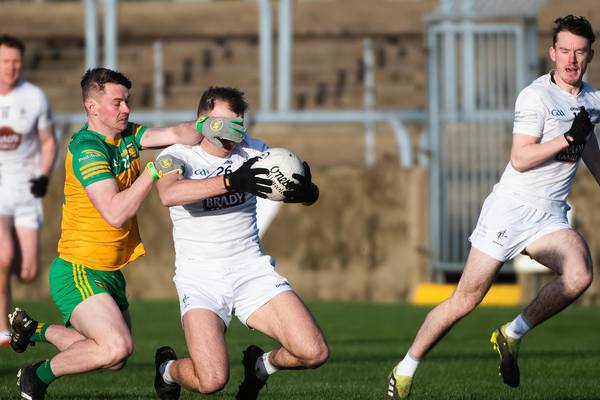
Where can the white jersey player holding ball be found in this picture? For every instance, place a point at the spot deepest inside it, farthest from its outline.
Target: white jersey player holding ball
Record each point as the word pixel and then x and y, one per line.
pixel 27 152
pixel 221 270
pixel 527 210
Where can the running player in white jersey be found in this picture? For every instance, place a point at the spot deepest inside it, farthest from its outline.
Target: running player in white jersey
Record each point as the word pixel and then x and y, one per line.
pixel 27 152
pixel 221 270
pixel 526 212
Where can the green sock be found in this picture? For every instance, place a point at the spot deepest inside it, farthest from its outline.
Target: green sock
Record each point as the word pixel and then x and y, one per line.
pixel 44 372
pixel 40 332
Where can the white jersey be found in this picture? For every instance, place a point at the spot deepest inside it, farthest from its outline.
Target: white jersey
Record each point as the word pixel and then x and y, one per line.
pixel 219 230
pixel 22 112
pixel 546 111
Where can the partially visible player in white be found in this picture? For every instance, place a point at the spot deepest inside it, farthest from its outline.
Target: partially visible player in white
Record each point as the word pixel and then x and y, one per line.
pixel 527 210
pixel 27 152
pixel 221 270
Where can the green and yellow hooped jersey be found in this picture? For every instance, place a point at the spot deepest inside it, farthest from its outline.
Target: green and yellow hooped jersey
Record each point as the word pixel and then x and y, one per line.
pixel 86 238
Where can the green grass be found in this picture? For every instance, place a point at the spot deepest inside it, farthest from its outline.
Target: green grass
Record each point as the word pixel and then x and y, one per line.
pixel 559 360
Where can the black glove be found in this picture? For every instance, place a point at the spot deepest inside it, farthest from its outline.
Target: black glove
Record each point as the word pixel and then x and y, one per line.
pixel 39 186
pixel 580 129
pixel 303 192
pixel 244 180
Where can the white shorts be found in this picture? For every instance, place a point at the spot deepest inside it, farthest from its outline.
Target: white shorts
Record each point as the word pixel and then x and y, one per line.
pixel 506 227
pixel 238 290
pixel 17 201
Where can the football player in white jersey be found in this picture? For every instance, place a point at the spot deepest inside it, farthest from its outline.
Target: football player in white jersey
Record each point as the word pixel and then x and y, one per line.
pixel 221 270
pixel 526 212
pixel 27 152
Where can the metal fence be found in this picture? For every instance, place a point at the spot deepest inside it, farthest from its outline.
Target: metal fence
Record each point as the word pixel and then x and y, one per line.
pixel 476 69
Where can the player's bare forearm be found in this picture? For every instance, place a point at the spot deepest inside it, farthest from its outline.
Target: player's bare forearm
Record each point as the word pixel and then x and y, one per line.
pixel 174 191
pixel 48 148
pixel 591 157
pixel 526 153
pixel 185 133
pixel 117 207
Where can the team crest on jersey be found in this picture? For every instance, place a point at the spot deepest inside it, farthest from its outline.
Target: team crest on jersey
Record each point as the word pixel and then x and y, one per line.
pixel 131 150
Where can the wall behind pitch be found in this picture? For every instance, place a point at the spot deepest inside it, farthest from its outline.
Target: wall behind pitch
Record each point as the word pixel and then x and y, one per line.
pixel 364 240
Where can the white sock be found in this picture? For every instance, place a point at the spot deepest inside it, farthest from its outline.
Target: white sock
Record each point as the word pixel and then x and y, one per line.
pixel 407 366
pixel 164 370
pixel 264 368
pixel 518 327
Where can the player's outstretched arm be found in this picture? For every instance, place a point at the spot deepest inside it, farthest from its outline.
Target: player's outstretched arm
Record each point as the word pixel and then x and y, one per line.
pixel 185 133
pixel 591 157
pixel 191 133
pixel 116 207
pixel 306 192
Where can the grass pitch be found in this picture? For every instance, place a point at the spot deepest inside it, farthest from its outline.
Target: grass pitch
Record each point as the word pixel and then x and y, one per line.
pixel 559 360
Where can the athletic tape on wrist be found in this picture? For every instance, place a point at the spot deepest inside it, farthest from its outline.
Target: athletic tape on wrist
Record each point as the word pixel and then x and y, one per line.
pixel 152 169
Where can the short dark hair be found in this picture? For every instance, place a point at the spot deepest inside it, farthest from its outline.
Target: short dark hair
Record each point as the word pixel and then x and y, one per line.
pixel 94 80
pixel 579 26
pixel 13 42
pixel 233 97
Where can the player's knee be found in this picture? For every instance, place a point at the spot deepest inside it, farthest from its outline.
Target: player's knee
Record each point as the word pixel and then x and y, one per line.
pixel 462 304
pixel 577 282
pixel 117 353
pixel 315 355
pixel 211 383
pixel 28 273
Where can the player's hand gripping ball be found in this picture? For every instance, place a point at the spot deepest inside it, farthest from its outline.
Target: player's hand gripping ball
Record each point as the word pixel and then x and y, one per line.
pixel 282 164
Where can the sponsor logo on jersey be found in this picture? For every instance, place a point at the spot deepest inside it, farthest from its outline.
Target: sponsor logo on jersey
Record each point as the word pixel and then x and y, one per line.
pixel 91 152
pixel 224 201
pixel 185 300
pixel 99 284
pixel 9 139
pixel 557 113
pixel 571 154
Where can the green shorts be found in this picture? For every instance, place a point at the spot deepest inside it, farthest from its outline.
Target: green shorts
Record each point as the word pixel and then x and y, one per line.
pixel 71 284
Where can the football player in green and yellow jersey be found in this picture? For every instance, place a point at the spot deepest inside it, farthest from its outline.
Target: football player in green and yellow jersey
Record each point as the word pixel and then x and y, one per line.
pixel 105 185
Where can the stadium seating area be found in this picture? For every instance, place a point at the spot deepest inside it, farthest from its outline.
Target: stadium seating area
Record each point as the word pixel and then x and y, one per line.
pixel 223 49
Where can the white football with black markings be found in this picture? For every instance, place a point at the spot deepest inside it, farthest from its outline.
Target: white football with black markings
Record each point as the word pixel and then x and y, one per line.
pixel 282 164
